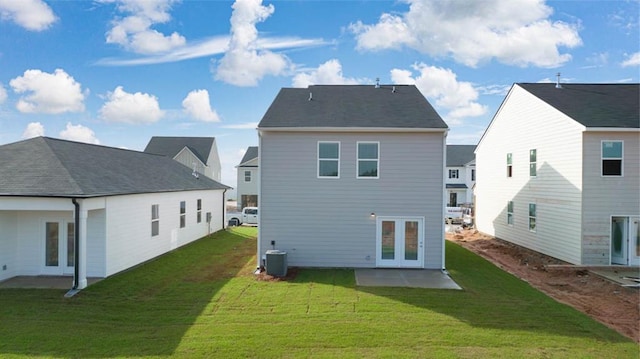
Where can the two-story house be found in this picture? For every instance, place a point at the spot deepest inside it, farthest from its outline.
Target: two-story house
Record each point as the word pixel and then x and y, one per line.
pixel 559 172
pixel 248 173
pixel 200 154
pixel 461 175
pixel 352 176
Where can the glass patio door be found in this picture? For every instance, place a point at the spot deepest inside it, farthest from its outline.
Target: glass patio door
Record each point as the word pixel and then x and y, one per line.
pixel 59 248
pixel 625 240
pixel 399 242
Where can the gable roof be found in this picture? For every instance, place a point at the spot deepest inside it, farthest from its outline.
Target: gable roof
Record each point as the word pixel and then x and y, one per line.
pixel 460 155
pixel 171 146
pixel 48 167
pixel 592 105
pixel 351 106
pixel 252 152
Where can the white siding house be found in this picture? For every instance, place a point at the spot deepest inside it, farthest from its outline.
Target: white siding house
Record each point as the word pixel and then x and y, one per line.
pixel 91 211
pixel 559 172
pixel 248 175
pixel 461 175
pixel 197 153
pixel 352 176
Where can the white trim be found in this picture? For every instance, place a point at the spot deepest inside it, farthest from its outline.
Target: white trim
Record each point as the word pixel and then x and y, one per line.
pixel 610 129
pixel 244 176
pixel 326 159
pixel 349 129
pixel 421 239
pixel 529 216
pixel 367 159
pixel 621 159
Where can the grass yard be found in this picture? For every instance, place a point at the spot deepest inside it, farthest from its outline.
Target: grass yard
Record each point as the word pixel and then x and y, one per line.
pixel 203 301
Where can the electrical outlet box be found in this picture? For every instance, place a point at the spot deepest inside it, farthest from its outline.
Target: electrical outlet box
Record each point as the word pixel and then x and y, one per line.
pixel 273 243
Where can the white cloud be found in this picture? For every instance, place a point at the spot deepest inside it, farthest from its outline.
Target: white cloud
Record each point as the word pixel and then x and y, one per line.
pixel 242 126
pixel 132 108
pixel 79 133
pixel 329 73
pixel 514 32
pixel 632 60
pixel 134 32
pixel 442 86
pixel 245 63
pixel 197 105
pixel 34 129
pixel 48 93
pixel 33 15
pixel 3 94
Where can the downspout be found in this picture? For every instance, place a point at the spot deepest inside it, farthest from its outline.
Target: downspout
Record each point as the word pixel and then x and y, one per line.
pixel 76 246
pixel 224 208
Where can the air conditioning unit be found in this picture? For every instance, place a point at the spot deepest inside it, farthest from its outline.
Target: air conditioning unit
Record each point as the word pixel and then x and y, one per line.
pixel 276 263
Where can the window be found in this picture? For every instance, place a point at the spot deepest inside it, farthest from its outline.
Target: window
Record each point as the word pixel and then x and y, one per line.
pixel 532 163
pixel 532 217
pixel 328 159
pixel 509 165
pixel 454 174
pixel 510 213
pixel 612 158
pixel 183 214
pixel 155 220
pixel 473 174
pixel 247 176
pixel 199 211
pixel 368 158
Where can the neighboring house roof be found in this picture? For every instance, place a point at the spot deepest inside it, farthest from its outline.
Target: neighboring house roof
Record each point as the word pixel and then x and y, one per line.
pixel 460 155
pixel 592 105
pixel 351 106
pixel 456 185
pixel 171 146
pixel 252 152
pixel 48 167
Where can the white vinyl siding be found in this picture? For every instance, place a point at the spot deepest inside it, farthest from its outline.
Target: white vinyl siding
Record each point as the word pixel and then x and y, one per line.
pixel 247 188
pixel 334 217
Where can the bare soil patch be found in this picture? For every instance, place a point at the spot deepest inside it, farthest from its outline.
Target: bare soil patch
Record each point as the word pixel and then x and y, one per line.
pixel 607 302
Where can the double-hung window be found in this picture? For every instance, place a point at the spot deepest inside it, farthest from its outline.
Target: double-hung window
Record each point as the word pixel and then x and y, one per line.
pixel 533 169
pixel 199 211
pixel 454 174
pixel 247 176
pixel 368 159
pixel 532 217
pixel 510 213
pixel 328 159
pixel 183 214
pixel 155 220
pixel 509 165
pixel 612 158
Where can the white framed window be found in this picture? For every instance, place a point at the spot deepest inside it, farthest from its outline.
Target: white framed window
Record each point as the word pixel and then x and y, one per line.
pixel 368 159
pixel 510 213
pixel 611 153
pixel 247 176
pixel 532 217
pixel 183 214
pixel 509 165
pixel 328 159
pixel 198 211
pixel 454 174
pixel 155 220
pixel 533 168
pixel 473 174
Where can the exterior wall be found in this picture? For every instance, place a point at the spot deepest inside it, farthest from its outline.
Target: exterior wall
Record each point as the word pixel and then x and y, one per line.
pixel 8 244
pixel 128 225
pixel 214 168
pixel 464 195
pixel 605 197
pixel 96 243
pixel 523 123
pixel 328 222
pixel 247 188
pixel 188 159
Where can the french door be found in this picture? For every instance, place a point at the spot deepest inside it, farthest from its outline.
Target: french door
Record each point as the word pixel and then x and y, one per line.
pixel 625 240
pixel 59 248
pixel 399 242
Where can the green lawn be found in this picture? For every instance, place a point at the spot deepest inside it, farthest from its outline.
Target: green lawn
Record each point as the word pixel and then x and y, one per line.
pixel 203 301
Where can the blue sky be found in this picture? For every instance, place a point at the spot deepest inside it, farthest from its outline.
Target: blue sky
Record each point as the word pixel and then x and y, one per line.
pixel 116 72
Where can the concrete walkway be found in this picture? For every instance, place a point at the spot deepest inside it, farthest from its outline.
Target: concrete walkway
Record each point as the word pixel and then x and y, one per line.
pixel 43 282
pixel 415 278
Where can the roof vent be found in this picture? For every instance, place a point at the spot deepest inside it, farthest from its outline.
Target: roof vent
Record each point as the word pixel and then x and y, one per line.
pixel 377 82
pixel 393 90
pixel 310 96
pixel 558 86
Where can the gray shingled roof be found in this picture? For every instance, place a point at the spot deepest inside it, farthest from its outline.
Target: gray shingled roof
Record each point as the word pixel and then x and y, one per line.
pixel 460 155
pixel 252 152
pixel 171 146
pixel 592 105
pixel 48 167
pixel 356 106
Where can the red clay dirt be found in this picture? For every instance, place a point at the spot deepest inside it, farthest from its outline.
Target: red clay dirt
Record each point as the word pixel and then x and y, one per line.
pixel 607 302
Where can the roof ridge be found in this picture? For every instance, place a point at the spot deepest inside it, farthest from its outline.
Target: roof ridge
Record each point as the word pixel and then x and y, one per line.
pixel 62 165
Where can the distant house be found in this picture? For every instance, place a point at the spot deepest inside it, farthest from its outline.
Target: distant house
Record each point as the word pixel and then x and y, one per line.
pixel 559 172
pixel 461 174
pixel 352 176
pixel 248 174
pixel 197 153
pixel 69 208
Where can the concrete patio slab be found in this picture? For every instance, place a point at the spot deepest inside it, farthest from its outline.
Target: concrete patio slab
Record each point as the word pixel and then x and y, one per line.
pixel 414 278
pixel 43 282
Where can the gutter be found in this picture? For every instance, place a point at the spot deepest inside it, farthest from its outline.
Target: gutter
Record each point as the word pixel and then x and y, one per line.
pixel 76 246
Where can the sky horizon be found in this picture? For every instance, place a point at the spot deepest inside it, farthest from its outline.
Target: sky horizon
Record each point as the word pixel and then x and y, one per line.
pixel 117 72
